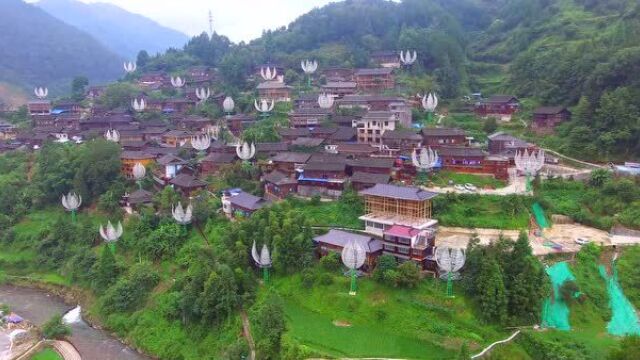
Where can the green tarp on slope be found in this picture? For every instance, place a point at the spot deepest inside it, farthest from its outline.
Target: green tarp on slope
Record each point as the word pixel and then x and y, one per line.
pixel 555 312
pixel 538 213
pixel 624 319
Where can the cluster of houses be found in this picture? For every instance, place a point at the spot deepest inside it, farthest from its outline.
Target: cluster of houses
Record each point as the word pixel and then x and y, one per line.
pixel 347 133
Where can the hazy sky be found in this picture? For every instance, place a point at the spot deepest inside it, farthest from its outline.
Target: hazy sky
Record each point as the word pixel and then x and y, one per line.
pixel 237 19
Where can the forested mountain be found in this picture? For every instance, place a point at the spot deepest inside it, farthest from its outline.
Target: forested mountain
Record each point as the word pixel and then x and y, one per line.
pixel 119 30
pixel 40 50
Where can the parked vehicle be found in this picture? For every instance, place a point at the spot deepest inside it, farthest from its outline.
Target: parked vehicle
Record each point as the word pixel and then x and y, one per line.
pixel 582 241
pixel 470 187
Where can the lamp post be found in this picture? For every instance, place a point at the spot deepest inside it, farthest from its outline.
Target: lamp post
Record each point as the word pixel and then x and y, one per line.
pixel 71 202
pixel 263 260
pixel 111 234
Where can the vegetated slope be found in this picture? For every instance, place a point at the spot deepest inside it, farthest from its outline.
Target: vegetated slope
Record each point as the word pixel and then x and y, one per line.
pixel 43 51
pixel 561 51
pixel 121 31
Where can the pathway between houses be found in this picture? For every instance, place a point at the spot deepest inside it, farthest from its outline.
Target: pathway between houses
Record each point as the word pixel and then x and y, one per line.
pixel 246 331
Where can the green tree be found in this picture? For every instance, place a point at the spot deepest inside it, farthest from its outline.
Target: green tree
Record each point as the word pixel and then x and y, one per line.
pixel 143 58
pixel 269 325
pixel 492 295
pixel 105 271
pixel 219 297
pixel 78 86
pixel 629 349
pixel 385 263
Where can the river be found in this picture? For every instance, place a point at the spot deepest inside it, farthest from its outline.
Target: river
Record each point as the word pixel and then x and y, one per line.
pixel 38 307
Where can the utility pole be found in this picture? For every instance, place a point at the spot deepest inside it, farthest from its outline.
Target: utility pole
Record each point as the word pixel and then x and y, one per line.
pixel 210 24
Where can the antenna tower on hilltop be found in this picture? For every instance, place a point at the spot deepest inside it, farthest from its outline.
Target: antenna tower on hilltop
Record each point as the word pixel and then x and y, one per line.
pixel 210 24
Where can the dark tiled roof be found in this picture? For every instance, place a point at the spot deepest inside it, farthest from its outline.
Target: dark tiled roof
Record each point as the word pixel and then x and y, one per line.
pixel 187 181
pixel 291 157
pixel 343 134
pixel 370 162
pixel 293 132
pixel 357 148
pixel 501 99
pixel 170 159
pixel 136 155
pixel 340 85
pixel 399 192
pixel 307 142
pixel 500 136
pixel 460 151
pixel 220 158
pixel 309 111
pixel 549 110
pixel 401 135
pixel 269 147
pixel 273 85
pixel 328 158
pixel 442 132
pixel 374 71
pixel 140 197
pixel 278 178
pixel 248 201
pixel 325 166
pixel 342 238
pixel 368 178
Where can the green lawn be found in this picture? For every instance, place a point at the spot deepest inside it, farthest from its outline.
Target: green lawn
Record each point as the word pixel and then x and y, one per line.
pixel 483 211
pixel 442 178
pixel 380 321
pixel 334 213
pixel 47 354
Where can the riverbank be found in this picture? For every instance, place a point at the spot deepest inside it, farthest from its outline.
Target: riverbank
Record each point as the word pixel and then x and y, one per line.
pixel 37 302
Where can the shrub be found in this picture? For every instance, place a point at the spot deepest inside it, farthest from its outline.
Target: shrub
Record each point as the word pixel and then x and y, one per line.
pixel 569 291
pixel 130 292
pixel 55 328
pixel 385 263
pixel 331 261
pixel 409 274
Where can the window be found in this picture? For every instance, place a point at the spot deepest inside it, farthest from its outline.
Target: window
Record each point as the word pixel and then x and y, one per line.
pixel 404 251
pixel 404 241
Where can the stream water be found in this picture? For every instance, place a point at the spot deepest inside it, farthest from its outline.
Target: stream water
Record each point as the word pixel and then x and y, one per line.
pixel 38 307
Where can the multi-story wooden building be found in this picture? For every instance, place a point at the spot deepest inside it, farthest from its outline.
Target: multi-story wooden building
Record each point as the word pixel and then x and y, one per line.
pixel 507 145
pixel 340 88
pixel 278 186
pixel 322 178
pixel 338 74
pixel 239 204
pixel 176 138
pixel 275 90
pixel 129 159
pixel 402 217
pixel 289 163
pixel 501 107
pixel 213 162
pixel 546 118
pixel 378 79
pixel 401 141
pixel 436 137
pixel 39 107
pixel 386 58
pixel 307 117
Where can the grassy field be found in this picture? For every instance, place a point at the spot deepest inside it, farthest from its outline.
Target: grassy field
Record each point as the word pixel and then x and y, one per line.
pixel 483 211
pixel 334 213
pixel 380 321
pixel 46 354
pixel 442 178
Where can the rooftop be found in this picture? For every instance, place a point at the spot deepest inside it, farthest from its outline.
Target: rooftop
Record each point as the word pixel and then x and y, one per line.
pixel 187 181
pixel 368 178
pixel 374 71
pixel 273 85
pixel 399 192
pixel 291 157
pixel 442 132
pixel 549 110
pixel 248 201
pixel 342 238
pixel 278 178
pixel 373 162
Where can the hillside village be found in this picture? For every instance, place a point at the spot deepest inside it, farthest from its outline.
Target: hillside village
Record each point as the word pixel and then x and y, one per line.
pixel 309 212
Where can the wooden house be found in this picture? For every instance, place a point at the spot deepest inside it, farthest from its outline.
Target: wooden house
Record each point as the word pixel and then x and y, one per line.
pixel 335 74
pixel 213 162
pixel 240 204
pixel 176 138
pixel 340 88
pixel 322 178
pixel 306 101
pixel 507 145
pixel 278 186
pixel 169 166
pixel 386 58
pixel 187 184
pixel 307 117
pixel 546 118
pixel 436 137
pixel 39 107
pixel 403 141
pixel 129 159
pixel 275 90
pixel 335 240
pixel 373 125
pixel 501 107
pixel 377 165
pixel 271 149
pixel 289 162
pixel 362 180
pixel 375 80
pixel 290 134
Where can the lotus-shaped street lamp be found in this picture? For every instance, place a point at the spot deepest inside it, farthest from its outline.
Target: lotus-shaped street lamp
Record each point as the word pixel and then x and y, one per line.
pixel 408 58
pixel 139 105
pixel 41 92
pixel 139 172
pixel 429 103
pixel 264 107
pixel 245 151
pixel 529 163
pixel 228 105
pixel 325 101
pixel 426 160
pixel 203 94
pixel 201 142
pixel 112 135
pixel 177 82
pixel 111 234
pixel 309 67
pixel 263 260
pixel 353 257
pixel 268 74
pixel 182 216
pixel 130 67
pixel 71 202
